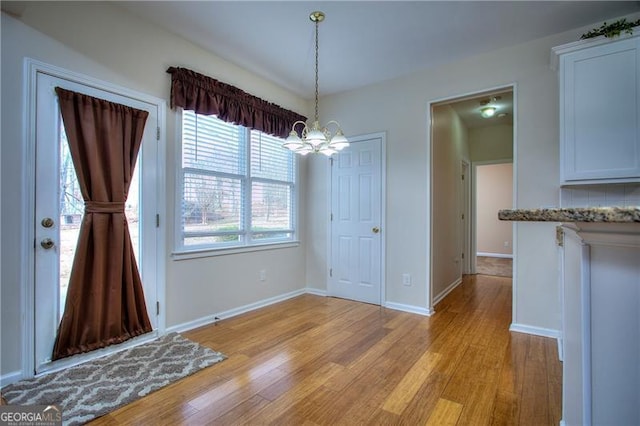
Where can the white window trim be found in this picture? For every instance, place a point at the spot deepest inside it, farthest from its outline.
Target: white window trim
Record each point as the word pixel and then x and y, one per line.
pixel 223 251
pixel 181 252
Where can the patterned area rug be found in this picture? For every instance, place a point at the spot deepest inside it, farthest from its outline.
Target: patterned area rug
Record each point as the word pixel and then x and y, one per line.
pixel 98 387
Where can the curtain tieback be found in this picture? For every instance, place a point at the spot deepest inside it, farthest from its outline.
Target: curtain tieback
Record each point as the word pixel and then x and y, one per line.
pixel 104 206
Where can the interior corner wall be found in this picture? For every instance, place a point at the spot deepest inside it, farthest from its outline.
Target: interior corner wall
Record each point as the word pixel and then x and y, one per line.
pixel 449 147
pixel 317 261
pixel 102 41
pixel 494 191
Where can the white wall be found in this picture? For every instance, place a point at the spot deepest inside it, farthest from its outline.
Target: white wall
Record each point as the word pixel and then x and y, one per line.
pixel 494 191
pixel 399 107
pixel 449 147
pixel 102 41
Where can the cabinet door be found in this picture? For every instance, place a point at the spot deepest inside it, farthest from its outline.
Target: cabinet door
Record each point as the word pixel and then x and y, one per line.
pixel 600 113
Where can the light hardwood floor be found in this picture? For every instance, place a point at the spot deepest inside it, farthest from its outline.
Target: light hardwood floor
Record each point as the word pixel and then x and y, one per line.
pixel 327 361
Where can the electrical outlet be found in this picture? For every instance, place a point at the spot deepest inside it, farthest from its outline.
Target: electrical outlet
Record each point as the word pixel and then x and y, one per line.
pixel 406 279
pixel 263 274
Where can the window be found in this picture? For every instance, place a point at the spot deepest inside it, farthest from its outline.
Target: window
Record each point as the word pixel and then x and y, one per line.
pixel 238 186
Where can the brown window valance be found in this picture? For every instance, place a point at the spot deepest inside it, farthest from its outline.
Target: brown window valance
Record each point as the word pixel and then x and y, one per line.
pixel 205 95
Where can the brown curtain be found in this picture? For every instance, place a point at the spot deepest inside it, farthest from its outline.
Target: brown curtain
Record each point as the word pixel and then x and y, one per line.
pixel 205 95
pixel 105 302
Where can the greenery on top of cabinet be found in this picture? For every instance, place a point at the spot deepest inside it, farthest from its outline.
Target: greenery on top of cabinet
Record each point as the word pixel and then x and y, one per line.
pixel 612 30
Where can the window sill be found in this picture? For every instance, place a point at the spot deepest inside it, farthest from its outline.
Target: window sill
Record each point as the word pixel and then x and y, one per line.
pixel 224 251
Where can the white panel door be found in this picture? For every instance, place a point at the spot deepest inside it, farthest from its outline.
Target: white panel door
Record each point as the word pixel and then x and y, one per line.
pixel 356 228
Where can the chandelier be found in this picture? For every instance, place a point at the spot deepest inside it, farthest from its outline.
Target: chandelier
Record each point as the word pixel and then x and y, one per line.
pixel 316 139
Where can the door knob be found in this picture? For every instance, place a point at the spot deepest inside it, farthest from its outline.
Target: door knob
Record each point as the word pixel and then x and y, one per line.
pixel 47 243
pixel 375 229
pixel 47 222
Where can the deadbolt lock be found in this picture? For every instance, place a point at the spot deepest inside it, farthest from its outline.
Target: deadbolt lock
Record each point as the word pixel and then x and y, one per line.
pixel 47 222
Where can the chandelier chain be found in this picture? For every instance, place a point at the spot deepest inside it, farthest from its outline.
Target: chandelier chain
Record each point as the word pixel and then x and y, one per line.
pixel 317 22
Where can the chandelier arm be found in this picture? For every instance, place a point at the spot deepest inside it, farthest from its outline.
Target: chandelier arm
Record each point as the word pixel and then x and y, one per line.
pixel 334 122
pixel 293 126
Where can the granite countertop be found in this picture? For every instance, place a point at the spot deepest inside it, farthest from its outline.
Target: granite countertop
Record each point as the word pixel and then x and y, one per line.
pixel 577 214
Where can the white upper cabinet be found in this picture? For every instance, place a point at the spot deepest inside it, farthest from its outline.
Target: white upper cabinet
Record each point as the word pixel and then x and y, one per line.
pixel 599 111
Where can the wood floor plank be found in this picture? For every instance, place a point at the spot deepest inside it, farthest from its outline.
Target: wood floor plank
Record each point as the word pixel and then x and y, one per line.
pixel 446 413
pixel 221 406
pixel 239 415
pixel 535 407
pixel 314 360
pixel 425 400
pixel 478 407
pixel 554 381
pixel 406 390
pixel 375 384
pixel 468 368
pixel 296 392
pixel 238 382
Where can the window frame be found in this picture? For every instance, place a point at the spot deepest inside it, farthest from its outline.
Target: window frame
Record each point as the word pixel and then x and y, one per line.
pixel 182 251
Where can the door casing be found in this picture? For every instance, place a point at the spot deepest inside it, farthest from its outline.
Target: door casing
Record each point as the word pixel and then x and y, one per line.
pixel 431 205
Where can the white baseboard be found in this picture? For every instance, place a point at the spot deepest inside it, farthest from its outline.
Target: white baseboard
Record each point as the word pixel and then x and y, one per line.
pixel 536 331
pixel 9 378
pixel 408 308
pixel 560 350
pixel 210 319
pixel 316 291
pixel 391 305
pixel 504 256
pixel 446 291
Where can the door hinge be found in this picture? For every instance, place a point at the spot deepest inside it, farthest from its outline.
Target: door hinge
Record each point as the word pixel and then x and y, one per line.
pixel 559 236
pixel 331 217
pixel 157 308
pixel 463 255
pixel 331 272
pixel 158 133
pixel 331 161
pixel 157 221
pixel 462 177
pixel 462 216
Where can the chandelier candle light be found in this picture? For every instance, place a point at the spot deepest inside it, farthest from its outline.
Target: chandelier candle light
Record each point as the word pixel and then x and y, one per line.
pixel 316 139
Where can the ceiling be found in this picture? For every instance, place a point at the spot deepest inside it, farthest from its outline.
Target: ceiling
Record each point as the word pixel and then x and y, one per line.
pixel 468 108
pixel 363 42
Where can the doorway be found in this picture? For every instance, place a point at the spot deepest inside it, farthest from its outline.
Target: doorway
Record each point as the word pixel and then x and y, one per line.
pixel 57 209
pixel 357 221
pixel 493 188
pixel 464 130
